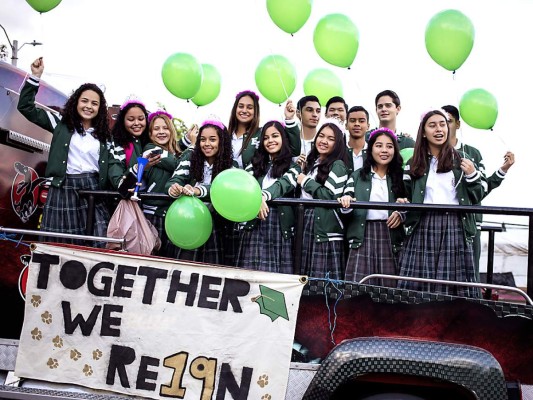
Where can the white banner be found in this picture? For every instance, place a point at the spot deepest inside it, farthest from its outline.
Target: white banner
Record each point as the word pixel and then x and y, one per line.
pixel 157 328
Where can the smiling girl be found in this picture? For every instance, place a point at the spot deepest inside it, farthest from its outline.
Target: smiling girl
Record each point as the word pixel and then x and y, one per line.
pixel 193 176
pixel 266 242
pixel 162 141
pixel 323 178
pixel 79 156
pixel 375 236
pixel 440 243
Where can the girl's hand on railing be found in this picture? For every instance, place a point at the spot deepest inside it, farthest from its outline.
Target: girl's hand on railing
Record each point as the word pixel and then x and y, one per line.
pixel 402 200
pixel 346 200
pixel 264 210
pixel 394 220
pixel 175 190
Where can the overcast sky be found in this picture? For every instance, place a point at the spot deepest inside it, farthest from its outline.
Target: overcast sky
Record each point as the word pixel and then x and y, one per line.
pixel 122 44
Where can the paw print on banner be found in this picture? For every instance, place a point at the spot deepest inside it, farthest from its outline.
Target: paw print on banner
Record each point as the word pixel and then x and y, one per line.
pixel 87 370
pixel 36 334
pixel 266 397
pixel 97 354
pixel 46 317
pixel 263 380
pixel 58 342
pixel 36 300
pixel 52 363
pixel 75 355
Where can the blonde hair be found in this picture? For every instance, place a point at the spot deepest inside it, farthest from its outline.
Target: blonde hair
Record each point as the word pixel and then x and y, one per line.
pixel 172 145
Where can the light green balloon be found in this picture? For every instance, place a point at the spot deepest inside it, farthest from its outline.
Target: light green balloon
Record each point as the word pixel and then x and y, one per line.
pixel 182 75
pixel 275 78
pixel 479 109
pixel 188 223
pixel 289 15
pixel 43 5
pixel 323 84
pixel 336 40
pixel 406 154
pixel 449 38
pixel 210 87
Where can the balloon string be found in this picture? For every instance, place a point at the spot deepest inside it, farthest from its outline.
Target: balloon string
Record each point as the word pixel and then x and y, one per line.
pixel 279 75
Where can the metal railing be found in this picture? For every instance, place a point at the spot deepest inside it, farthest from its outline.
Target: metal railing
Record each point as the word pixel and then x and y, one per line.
pixel 299 206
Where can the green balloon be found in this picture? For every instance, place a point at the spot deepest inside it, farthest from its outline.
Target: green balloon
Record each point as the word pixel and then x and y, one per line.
pixel 43 5
pixel 210 87
pixel 289 15
pixel 188 223
pixel 182 75
pixel 236 195
pixel 336 40
pixel 449 38
pixel 275 78
pixel 322 83
pixel 406 154
pixel 479 109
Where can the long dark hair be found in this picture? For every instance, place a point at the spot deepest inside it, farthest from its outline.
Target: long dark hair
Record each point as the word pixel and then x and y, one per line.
pixel 119 133
pixel 223 158
pixel 394 169
pixel 448 156
pixel 253 126
pixel 339 153
pixel 72 119
pixel 281 162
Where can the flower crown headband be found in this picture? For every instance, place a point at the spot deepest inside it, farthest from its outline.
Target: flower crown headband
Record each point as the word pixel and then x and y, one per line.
pixel 433 109
pixel 157 114
pixel 383 130
pixel 213 122
pixel 132 101
pixel 334 121
pixel 247 92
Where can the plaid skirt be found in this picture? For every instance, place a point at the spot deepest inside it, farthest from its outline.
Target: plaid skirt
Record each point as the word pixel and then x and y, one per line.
pixel 230 232
pixel 66 212
pixel 264 248
pixel 437 249
pixel 320 258
pixel 209 253
pixel 374 256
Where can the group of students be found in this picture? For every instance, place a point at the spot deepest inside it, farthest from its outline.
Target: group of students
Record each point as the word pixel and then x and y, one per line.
pixel 341 159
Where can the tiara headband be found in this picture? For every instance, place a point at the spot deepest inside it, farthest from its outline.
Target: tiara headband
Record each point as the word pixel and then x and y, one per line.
pixel 383 130
pixel 433 109
pixel 247 92
pixel 132 101
pixel 334 121
pixel 213 122
pixel 158 113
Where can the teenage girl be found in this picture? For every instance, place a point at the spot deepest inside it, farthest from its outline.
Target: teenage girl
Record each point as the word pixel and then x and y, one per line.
pixel 79 156
pixel 266 242
pixel 324 177
pixel 196 170
pixel 440 243
pixel 375 237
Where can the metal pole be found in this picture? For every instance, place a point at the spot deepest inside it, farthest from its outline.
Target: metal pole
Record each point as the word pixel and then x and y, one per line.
pixel 298 239
pixel 490 264
pixel 529 288
pixel 15 51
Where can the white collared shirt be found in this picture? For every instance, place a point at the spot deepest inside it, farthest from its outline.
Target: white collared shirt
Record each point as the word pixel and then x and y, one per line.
pixel 358 158
pixel 312 175
pixel 440 187
pixel 83 153
pixel 268 180
pixel 208 175
pixel 378 192
pixel 236 144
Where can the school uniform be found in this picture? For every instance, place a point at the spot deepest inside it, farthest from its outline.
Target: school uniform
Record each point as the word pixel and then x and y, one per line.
pixel 440 243
pixel 323 241
pixel 373 247
pixel 212 252
pixel 355 161
pixel 268 245
pixel 120 170
pixel 489 184
pixel 155 179
pixel 77 161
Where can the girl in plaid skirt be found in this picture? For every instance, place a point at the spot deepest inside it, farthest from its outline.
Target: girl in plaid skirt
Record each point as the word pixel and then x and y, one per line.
pixel 193 176
pixel 266 242
pixel 375 236
pixel 163 142
pixel 79 157
pixel 324 176
pixel 440 243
